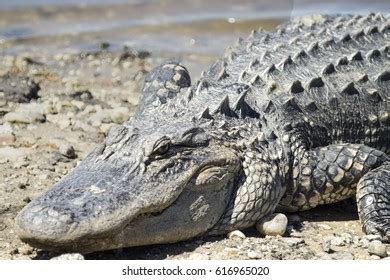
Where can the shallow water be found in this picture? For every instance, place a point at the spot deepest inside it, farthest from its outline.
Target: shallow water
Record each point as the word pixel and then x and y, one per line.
pixel 176 26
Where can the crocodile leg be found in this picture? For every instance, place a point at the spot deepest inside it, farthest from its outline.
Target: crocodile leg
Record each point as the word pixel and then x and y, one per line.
pixel 162 83
pixel 328 174
pixel 373 200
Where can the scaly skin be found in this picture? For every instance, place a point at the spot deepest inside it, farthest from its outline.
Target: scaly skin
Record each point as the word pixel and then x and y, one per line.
pixel 287 120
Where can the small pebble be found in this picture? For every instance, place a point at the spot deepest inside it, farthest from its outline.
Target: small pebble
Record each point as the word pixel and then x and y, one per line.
pixel 342 256
pixel 120 115
pixel 14 251
pixel 21 185
pixel 327 246
pixel 364 243
pixel 371 237
pixel 43 176
pixel 232 252
pixel 20 163
pixel 105 127
pixel 377 248
pixel 295 233
pixel 324 226
pixel 275 224
pixel 29 113
pixel 2 226
pixel 236 234
pixel 253 255
pixel 26 250
pixel 7 136
pixel 198 257
pixel 293 242
pixel 69 257
pixel 337 241
pixel 67 150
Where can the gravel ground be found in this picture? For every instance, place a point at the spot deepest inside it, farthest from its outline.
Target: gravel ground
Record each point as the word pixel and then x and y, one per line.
pixel 54 108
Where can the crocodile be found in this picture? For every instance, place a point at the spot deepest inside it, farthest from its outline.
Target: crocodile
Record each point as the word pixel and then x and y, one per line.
pixel 285 121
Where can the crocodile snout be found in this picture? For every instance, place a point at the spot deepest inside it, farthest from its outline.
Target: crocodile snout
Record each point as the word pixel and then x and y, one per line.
pixel 43 223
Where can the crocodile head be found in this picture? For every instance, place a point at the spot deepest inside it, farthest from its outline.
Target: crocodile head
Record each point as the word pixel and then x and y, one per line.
pixel 147 183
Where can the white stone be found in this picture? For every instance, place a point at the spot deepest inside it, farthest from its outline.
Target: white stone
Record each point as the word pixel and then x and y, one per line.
pixel 119 115
pixel 377 248
pixel 198 257
pixel 275 224
pixel 5 129
pixel 236 234
pixel 253 255
pixel 324 226
pixel 26 113
pixel 69 257
pixel 67 150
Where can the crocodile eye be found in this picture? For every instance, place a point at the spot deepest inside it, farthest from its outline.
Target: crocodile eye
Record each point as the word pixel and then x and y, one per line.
pixel 162 148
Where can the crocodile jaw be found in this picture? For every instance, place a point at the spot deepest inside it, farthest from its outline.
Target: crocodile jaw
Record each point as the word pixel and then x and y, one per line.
pixel 190 216
pixel 69 217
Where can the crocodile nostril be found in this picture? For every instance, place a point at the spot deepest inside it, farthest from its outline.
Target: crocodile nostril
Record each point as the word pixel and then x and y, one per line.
pixel 41 220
